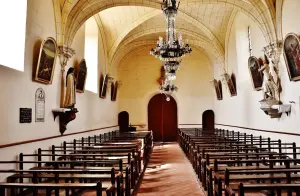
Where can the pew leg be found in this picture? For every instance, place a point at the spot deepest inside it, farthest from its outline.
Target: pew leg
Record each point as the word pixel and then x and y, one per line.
pixel 2 191
pixel 48 192
pixel 56 192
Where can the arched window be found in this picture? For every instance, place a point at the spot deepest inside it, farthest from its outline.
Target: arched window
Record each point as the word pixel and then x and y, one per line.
pixel 13 33
pixel 91 54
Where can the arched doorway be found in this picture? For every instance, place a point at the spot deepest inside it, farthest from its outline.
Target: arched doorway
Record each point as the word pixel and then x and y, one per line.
pixel 162 118
pixel 123 121
pixel 208 120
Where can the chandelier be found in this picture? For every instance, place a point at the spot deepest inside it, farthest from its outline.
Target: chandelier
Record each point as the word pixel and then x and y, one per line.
pixel 172 50
pixel 168 88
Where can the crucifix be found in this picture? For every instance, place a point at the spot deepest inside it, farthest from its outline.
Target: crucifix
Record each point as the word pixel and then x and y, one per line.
pixel 250 42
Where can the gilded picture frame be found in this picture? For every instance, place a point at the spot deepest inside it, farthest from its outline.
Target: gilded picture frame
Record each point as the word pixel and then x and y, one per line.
pixel 256 77
pixel 115 92
pixel 291 53
pixel 81 75
pixel 230 85
pixel 103 86
pixel 46 62
pixel 218 89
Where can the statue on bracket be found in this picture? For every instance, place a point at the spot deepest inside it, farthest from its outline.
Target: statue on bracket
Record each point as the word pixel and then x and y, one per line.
pixel 70 98
pixel 271 103
pixel 271 84
pixel 67 112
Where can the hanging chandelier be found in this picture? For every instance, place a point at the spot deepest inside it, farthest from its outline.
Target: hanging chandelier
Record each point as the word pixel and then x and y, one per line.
pixel 172 50
pixel 167 88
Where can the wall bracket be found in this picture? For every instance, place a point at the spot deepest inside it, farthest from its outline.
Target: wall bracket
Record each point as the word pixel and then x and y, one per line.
pixel 65 115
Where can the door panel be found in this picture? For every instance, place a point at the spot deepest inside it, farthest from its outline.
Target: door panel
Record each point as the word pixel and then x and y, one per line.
pixel 162 118
pixel 208 120
pixel 123 121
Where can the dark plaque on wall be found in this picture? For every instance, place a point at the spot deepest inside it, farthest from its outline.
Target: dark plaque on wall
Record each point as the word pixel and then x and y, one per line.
pixel 25 115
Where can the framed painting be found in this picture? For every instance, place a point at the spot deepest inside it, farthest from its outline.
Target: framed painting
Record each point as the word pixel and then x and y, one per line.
pixel 233 79
pixel 46 62
pixel 291 50
pixel 218 89
pixel 115 92
pixel 103 86
pixel 256 77
pixel 81 73
pixel 112 89
pixel 230 85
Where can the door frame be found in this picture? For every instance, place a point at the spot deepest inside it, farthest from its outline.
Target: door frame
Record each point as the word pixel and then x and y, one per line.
pixel 147 111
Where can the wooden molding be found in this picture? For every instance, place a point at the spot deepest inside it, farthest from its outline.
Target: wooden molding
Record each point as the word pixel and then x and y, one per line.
pixel 260 130
pixel 52 137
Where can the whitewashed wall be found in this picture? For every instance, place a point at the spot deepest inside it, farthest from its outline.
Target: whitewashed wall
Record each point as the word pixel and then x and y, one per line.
pixel 18 91
pixel 244 109
pixel 139 75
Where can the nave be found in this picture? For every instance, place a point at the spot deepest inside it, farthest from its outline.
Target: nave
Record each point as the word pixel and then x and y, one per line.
pixel 169 173
pixel 203 162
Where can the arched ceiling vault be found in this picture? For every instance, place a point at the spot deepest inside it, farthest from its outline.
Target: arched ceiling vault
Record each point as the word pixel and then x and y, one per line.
pixel 195 42
pixel 205 23
pixel 74 14
pixel 133 48
pixel 194 39
pixel 209 34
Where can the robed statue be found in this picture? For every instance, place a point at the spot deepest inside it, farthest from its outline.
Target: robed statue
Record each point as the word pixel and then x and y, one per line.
pixel 70 98
pixel 271 84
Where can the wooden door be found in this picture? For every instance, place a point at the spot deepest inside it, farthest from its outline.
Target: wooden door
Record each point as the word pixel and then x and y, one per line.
pixel 162 118
pixel 208 120
pixel 123 121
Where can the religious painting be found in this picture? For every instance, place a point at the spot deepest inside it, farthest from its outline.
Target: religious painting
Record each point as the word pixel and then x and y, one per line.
pixel 115 92
pixel 81 73
pixel 112 89
pixel 233 79
pixel 291 50
pixel 230 85
pixel 256 76
pixel 46 63
pixel 218 90
pixel 103 86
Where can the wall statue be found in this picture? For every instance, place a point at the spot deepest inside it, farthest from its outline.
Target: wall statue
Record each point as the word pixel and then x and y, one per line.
pixel 271 82
pixel 70 99
pixel 271 103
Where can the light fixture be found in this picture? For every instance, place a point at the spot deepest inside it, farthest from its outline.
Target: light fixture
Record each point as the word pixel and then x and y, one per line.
pixel 168 88
pixel 172 50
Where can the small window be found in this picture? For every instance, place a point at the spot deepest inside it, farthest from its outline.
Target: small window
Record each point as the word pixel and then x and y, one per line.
pixel 91 54
pixel 13 33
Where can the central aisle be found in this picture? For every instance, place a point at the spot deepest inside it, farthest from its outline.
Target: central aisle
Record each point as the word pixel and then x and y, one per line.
pixel 169 173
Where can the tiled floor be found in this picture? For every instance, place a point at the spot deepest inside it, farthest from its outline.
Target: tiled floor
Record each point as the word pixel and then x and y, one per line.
pixel 169 173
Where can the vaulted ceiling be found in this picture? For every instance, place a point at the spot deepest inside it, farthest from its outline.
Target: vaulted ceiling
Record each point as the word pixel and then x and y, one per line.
pixel 130 24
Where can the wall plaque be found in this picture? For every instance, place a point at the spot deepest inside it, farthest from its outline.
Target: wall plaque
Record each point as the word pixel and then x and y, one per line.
pixel 25 115
pixel 40 105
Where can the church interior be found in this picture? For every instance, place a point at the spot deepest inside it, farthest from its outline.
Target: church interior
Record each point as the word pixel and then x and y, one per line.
pixel 150 97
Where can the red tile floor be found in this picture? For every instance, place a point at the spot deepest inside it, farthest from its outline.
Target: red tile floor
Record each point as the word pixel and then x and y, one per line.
pixel 169 173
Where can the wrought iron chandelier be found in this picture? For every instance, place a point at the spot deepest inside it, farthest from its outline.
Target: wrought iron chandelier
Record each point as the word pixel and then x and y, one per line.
pixel 172 50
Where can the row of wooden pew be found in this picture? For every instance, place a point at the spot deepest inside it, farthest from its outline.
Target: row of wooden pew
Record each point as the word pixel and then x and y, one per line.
pixel 234 163
pixel 110 163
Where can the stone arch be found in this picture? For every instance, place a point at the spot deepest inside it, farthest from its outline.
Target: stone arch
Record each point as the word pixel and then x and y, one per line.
pixel 216 48
pixel 133 48
pixel 85 9
pixel 206 31
pixel 198 41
